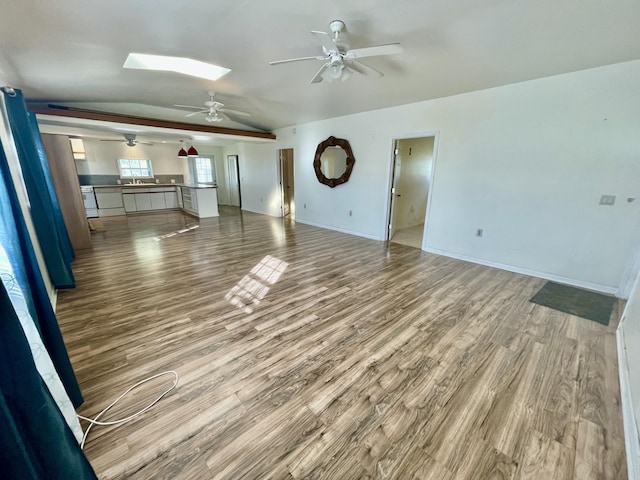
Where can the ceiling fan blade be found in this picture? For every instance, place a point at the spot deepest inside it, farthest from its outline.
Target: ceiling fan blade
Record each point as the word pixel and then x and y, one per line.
pixel 317 78
pixel 362 68
pixel 105 140
pixel 325 40
pixel 188 106
pixel 278 62
pixel 233 112
pixel 389 49
pixel 195 113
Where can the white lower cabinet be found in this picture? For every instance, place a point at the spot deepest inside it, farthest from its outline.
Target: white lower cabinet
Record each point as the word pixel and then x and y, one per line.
pixel 145 199
pixel 157 201
pixel 129 200
pixel 109 201
pixel 170 199
pixel 201 202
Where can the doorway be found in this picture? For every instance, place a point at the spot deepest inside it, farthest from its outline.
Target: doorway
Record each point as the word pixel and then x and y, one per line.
pixel 286 181
pixel 411 179
pixel 233 177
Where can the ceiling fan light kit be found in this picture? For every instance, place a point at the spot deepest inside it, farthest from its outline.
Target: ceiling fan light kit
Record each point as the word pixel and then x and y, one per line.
pixel 129 140
pixel 214 111
pixel 340 61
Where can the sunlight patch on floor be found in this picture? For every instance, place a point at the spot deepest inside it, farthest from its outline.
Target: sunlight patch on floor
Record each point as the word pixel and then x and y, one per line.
pixel 254 286
pixel 188 228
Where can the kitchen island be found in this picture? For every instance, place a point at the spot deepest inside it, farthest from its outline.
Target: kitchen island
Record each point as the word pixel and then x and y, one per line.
pixel 200 200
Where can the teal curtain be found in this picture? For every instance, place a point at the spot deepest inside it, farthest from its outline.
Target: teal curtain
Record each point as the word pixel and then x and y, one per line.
pixel 36 442
pixel 45 209
pixel 17 242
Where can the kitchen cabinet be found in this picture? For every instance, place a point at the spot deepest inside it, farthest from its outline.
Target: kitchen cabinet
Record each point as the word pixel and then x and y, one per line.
pixel 109 201
pixel 146 199
pixel 129 200
pixel 143 201
pixel 170 199
pixel 190 200
pixel 157 200
pixel 201 202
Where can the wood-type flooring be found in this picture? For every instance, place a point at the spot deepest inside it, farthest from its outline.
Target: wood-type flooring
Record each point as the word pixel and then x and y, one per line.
pixel 305 353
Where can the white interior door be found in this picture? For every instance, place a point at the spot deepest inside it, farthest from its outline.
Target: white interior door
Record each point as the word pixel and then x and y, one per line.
pixel 234 180
pixel 397 166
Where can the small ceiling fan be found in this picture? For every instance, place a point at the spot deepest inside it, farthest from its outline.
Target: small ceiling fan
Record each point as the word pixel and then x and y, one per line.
pixel 214 110
pixel 130 140
pixel 339 60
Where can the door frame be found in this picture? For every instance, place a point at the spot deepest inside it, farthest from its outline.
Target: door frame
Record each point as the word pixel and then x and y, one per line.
pixel 390 173
pixel 280 178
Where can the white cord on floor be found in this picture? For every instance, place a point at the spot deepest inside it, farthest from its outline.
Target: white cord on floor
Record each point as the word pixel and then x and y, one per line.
pixel 94 421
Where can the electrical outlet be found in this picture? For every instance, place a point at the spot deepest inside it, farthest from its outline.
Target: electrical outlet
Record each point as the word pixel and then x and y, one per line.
pixel 479 232
pixel 607 200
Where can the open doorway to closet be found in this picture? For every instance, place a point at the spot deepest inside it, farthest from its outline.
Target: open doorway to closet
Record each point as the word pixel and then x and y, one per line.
pixel 412 173
pixel 285 156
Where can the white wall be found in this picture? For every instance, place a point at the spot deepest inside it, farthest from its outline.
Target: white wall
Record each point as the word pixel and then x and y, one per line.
pixel 415 156
pixel 102 158
pixel 259 185
pixel 526 162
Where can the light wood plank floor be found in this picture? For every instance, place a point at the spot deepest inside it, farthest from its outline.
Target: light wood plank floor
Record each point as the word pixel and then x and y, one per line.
pixel 411 236
pixel 308 353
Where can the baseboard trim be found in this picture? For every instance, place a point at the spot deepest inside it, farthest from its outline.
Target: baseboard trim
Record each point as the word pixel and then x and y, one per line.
pixel 525 271
pixel 631 441
pixel 260 213
pixel 341 230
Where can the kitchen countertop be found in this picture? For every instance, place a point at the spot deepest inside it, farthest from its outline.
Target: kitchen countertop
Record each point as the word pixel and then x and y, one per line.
pixel 152 185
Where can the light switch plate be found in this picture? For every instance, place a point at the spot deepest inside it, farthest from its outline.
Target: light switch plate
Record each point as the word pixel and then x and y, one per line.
pixel 607 200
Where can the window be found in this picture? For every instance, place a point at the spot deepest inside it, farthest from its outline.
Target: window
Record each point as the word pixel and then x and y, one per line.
pixel 135 168
pixel 202 170
pixel 77 147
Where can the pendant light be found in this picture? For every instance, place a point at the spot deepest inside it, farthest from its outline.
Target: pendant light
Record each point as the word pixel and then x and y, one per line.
pixel 192 152
pixel 182 153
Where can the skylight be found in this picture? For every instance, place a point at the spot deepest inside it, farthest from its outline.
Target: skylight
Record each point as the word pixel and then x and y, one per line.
pixel 183 65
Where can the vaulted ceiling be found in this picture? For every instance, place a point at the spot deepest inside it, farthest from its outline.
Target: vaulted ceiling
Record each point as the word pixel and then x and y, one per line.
pixel 71 52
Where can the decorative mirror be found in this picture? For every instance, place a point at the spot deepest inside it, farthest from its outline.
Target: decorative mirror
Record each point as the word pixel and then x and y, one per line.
pixel 334 161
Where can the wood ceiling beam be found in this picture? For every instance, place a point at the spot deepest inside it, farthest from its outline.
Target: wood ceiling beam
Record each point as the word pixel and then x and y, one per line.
pixel 147 122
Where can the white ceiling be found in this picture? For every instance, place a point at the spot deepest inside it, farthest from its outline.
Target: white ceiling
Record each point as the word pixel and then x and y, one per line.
pixel 70 52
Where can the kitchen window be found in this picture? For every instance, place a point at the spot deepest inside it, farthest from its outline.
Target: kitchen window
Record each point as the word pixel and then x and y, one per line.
pixel 202 169
pixel 130 168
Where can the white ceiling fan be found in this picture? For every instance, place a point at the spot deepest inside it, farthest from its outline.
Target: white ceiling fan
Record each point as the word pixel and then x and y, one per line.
pixel 214 110
pixel 339 60
pixel 130 140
